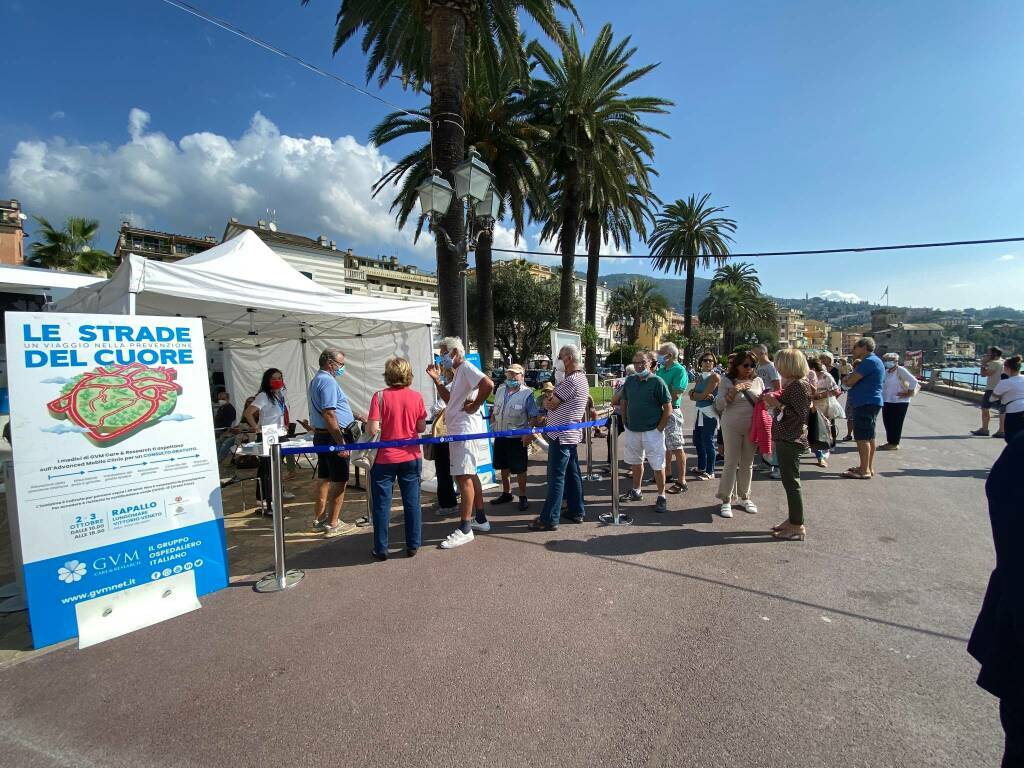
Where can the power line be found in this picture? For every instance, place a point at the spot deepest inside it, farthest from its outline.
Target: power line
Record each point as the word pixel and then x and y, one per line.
pixel 227 26
pixel 865 249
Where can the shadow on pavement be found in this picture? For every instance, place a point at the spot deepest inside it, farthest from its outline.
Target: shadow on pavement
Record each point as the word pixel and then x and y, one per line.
pixel 652 541
pixel 979 474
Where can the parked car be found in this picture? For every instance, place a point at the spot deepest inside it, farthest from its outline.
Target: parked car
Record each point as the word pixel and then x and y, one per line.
pixel 534 378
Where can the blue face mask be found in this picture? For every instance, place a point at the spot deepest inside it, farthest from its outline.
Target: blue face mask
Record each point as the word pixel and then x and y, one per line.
pixel 513 383
pixel 889 365
pixel 661 359
pixel 643 373
pixel 446 361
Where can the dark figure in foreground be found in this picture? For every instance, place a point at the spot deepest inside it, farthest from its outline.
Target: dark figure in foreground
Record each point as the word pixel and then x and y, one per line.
pixel 998 638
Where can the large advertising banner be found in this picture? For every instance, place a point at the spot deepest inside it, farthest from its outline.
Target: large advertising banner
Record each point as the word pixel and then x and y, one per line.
pixel 115 464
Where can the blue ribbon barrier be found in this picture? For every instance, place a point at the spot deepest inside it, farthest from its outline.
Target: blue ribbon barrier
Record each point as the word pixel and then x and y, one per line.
pixel 436 440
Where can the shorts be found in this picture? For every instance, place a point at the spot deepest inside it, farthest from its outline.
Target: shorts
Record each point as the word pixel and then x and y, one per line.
pixel 510 454
pixel 463 456
pixel 674 438
pixel 332 467
pixel 637 445
pixel 864 418
pixel 986 402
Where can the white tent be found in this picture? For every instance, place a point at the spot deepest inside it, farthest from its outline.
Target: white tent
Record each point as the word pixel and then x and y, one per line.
pixel 263 313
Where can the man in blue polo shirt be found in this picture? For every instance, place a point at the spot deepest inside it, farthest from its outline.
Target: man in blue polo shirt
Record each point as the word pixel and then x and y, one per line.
pixel 329 414
pixel 863 402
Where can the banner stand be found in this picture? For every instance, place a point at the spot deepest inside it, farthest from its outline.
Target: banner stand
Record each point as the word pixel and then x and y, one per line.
pixel 613 458
pixel 281 578
pixel 12 595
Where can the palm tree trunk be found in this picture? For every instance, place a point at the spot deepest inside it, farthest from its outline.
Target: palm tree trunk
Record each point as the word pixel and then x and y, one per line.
pixel 485 302
pixel 567 245
pixel 447 84
pixel 593 269
pixel 691 265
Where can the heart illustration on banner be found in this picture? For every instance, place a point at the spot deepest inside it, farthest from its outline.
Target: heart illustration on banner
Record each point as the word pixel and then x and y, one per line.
pixel 115 401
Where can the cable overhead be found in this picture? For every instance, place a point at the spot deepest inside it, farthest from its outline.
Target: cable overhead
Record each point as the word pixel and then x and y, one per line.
pixel 227 26
pixel 754 254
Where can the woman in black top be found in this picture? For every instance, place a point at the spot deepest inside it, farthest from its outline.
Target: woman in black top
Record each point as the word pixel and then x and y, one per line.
pixel 789 435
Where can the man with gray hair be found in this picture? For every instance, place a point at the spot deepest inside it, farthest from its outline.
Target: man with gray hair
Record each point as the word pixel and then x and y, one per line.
pixel 864 401
pixel 565 405
pixel 646 409
pixel 676 380
pixel 464 396
pixel 329 414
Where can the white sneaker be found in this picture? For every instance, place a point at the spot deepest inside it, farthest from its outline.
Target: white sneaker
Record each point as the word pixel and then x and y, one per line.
pixel 483 527
pixel 748 506
pixel 725 510
pixel 287 495
pixel 456 539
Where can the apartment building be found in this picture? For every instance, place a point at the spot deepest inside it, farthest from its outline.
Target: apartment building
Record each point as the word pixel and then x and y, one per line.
pixel 792 328
pixel 12 233
pixel 159 246
pixel 817 333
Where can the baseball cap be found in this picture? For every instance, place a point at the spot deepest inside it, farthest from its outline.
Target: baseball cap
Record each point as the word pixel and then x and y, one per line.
pixel 514 368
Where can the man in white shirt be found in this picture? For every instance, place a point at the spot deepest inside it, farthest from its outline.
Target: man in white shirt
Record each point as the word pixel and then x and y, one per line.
pixel 464 396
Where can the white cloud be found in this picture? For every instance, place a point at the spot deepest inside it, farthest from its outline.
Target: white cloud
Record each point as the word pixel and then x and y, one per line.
pixel 317 185
pixel 839 296
pixel 1007 257
pixel 58 115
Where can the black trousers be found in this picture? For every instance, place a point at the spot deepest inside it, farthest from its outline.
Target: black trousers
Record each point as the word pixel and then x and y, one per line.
pixel 1014 424
pixel 1011 715
pixel 893 415
pixel 264 491
pixel 443 470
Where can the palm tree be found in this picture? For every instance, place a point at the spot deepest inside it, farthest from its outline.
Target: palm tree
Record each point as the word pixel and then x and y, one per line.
pixel 743 274
pixel 70 249
pixel 636 304
pixel 597 144
pixel 429 43
pixel 496 126
pixel 688 232
pixel 608 217
pixel 736 310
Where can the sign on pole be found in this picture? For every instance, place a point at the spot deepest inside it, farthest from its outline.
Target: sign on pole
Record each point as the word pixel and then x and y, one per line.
pixel 118 492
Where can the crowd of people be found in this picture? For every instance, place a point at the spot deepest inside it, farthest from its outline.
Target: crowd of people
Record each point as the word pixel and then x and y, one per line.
pixel 752 410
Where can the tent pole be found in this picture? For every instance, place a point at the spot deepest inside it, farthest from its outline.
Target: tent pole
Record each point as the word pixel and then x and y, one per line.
pixel 131 302
pixel 305 365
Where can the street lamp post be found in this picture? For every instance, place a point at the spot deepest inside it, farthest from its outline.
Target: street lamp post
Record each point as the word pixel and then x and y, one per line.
pixel 480 201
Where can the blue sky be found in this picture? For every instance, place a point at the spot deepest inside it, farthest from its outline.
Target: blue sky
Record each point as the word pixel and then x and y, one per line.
pixel 818 124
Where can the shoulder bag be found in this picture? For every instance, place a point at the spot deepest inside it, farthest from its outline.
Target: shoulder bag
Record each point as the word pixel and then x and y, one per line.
pixel 365 457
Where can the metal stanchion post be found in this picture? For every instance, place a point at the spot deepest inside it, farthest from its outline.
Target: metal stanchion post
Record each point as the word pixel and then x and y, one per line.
pixel 280 578
pixel 590 476
pixel 615 518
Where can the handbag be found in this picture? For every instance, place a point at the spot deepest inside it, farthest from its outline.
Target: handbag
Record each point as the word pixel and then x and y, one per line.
pixel 437 429
pixel 365 457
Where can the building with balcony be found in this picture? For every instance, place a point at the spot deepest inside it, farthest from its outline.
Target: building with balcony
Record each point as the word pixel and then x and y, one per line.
pixel 791 327
pixel 344 271
pixel 955 321
pixel 957 349
pixel 817 333
pixel 159 246
pixel 12 233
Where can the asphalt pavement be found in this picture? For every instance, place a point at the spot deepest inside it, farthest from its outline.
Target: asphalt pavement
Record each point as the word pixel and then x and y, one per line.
pixel 683 640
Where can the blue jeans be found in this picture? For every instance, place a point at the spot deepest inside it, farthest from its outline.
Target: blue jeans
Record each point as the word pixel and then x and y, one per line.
pixel 563 478
pixel 704 442
pixel 382 478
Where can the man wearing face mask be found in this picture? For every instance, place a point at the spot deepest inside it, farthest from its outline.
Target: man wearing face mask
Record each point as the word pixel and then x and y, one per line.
pixel 464 396
pixel 675 378
pixel 646 409
pixel 515 407
pixel 329 413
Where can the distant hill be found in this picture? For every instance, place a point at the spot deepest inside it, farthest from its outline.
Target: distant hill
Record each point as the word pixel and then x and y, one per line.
pixel 674 288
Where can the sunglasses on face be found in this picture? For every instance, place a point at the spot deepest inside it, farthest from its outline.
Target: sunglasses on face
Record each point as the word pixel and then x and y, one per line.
pixel 746 365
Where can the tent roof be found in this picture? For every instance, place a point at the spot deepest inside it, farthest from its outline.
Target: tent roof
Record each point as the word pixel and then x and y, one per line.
pixel 246 294
pixel 13 278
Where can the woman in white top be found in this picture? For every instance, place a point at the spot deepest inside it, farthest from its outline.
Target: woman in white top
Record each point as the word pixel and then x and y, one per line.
pixel 268 408
pixel 898 387
pixel 1010 393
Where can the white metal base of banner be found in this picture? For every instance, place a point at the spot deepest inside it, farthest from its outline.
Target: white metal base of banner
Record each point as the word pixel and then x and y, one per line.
pixel 109 616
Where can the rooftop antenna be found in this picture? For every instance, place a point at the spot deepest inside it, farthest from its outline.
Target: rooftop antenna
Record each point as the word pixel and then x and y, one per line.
pixel 272 217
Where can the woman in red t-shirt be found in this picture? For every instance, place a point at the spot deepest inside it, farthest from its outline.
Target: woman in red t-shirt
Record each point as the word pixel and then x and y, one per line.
pixel 398 413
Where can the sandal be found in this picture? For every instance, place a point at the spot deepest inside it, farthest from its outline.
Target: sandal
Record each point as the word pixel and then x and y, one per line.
pixel 790 533
pixel 855 474
pixel 678 488
pixel 779 527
